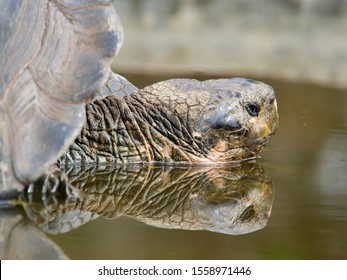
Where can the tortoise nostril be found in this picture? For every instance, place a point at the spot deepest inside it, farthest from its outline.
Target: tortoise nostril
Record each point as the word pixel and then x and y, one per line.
pixel 252 109
pixel 231 125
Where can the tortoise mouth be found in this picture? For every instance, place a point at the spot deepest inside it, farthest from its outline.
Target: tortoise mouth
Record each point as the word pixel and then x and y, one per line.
pixel 262 140
pixel 240 132
pixel 257 144
pixel 247 141
pixel 249 150
pixel 245 152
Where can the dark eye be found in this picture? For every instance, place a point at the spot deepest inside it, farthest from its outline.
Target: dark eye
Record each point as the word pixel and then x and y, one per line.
pixel 253 110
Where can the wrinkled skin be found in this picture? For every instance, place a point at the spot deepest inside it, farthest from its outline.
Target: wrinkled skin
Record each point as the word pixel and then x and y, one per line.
pixel 56 54
pixel 178 121
pixel 230 200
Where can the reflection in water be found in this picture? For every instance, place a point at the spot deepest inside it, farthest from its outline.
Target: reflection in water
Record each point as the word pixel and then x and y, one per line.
pixel 230 200
pixel 20 239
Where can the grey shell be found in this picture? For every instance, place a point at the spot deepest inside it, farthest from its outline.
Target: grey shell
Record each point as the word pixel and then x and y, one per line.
pixel 54 56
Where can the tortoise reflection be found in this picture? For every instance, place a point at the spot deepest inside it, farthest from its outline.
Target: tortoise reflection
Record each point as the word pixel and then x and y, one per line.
pixel 229 200
pixel 20 239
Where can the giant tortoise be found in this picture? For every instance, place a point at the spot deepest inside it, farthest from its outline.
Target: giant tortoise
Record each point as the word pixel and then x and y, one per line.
pixel 55 56
pixel 233 199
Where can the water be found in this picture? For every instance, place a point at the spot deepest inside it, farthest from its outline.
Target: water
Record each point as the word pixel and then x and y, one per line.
pixel 307 162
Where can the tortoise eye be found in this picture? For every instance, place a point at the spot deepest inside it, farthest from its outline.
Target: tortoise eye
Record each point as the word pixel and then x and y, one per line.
pixel 252 109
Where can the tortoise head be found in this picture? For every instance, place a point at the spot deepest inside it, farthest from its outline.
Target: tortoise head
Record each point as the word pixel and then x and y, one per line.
pixel 238 120
pixel 210 121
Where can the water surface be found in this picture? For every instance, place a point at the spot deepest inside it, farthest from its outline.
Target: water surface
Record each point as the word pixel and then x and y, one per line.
pixel 306 161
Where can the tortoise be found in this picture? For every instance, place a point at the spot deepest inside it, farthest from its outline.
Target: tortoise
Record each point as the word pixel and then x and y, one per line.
pixel 233 199
pixel 54 55
pixel 44 92
pixel 20 239
pixel 177 121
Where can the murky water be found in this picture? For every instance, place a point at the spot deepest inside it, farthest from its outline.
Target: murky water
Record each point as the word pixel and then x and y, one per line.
pixel 307 198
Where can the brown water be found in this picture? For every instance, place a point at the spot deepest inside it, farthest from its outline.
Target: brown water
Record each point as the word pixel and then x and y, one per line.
pixel 307 161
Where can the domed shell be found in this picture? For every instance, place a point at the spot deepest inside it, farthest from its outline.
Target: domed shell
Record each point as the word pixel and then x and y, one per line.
pixel 54 56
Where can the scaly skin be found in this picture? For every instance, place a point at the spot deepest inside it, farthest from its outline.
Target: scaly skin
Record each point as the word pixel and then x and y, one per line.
pixel 178 121
pixel 227 199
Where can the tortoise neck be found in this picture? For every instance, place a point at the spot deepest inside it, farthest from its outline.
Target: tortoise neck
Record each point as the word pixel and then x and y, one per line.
pixel 168 136
pixel 125 130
